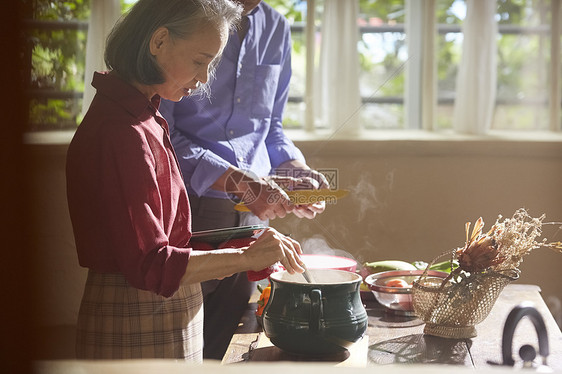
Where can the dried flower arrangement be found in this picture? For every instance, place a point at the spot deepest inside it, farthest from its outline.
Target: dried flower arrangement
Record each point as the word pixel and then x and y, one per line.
pixel 486 264
pixel 504 246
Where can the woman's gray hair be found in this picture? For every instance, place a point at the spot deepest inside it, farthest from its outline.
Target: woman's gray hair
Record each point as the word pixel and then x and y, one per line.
pixel 128 45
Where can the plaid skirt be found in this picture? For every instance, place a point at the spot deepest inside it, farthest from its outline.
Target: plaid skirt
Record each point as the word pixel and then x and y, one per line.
pixel 118 321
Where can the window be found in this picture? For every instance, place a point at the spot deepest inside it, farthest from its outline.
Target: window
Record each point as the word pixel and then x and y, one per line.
pixel 394 39
pixel 523 65
pixel 389 53
pixel 55 54
pixel 523 59
pixel 56 35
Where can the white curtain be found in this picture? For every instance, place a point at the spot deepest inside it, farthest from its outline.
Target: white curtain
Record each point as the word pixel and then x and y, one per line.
pixel 338 69
pixel 103 15
pixel 476 79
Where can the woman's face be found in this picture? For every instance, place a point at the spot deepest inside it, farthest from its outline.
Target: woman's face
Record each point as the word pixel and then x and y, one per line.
pixel 185 62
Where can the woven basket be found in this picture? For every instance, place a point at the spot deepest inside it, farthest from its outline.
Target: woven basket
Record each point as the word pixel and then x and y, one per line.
pixel 451 310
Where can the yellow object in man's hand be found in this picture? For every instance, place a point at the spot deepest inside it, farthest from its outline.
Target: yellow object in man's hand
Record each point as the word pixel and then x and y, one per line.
pixel 306 197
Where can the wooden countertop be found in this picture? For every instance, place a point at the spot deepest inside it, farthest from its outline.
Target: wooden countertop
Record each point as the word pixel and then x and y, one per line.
pixel 393 339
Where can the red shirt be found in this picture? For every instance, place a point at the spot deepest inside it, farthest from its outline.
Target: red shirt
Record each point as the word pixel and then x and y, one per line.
pixel 127 200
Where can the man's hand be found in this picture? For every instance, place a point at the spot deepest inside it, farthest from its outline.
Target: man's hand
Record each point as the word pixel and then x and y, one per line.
pixel 266 196
pixel 309 180
pixel 263 196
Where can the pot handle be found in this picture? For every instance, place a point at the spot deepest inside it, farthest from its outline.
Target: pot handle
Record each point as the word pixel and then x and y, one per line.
pixel 316 311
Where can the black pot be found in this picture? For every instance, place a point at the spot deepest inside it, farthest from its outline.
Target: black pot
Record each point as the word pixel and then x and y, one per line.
pixel 319 318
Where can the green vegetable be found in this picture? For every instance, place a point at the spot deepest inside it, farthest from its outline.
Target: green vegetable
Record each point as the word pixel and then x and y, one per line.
pixel 440 266
pixel 444 266
pixel 387 265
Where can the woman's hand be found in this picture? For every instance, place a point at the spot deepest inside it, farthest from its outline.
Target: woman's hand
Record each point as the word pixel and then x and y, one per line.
pixel 272 247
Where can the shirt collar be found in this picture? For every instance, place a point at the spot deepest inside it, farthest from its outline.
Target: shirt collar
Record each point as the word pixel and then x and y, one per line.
pixel 251 14
pixel 132 100
pixel 255 10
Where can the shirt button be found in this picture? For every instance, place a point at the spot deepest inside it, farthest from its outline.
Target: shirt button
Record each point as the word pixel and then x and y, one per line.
pixel 238 100
pixel 240 159
pixel 240 66
pixel 231 132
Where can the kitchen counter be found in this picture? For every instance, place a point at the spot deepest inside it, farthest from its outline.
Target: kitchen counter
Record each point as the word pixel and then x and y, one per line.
pixel 395 339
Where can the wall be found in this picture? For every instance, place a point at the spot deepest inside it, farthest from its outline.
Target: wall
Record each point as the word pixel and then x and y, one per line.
pixel 409 200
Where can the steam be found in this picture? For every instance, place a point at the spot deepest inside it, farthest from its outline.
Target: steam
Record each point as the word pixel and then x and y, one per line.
pixel 369 197
pixel 369 201
pixel 317 245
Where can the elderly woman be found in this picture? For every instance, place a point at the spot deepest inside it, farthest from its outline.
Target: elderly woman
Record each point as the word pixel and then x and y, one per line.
pixel 127 200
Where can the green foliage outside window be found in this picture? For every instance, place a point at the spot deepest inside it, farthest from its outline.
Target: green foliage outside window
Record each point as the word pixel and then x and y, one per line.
pixel 57 45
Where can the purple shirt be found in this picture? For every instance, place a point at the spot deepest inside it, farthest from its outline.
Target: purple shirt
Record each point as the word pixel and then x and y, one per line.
pixel 241 123
pixel 126 197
